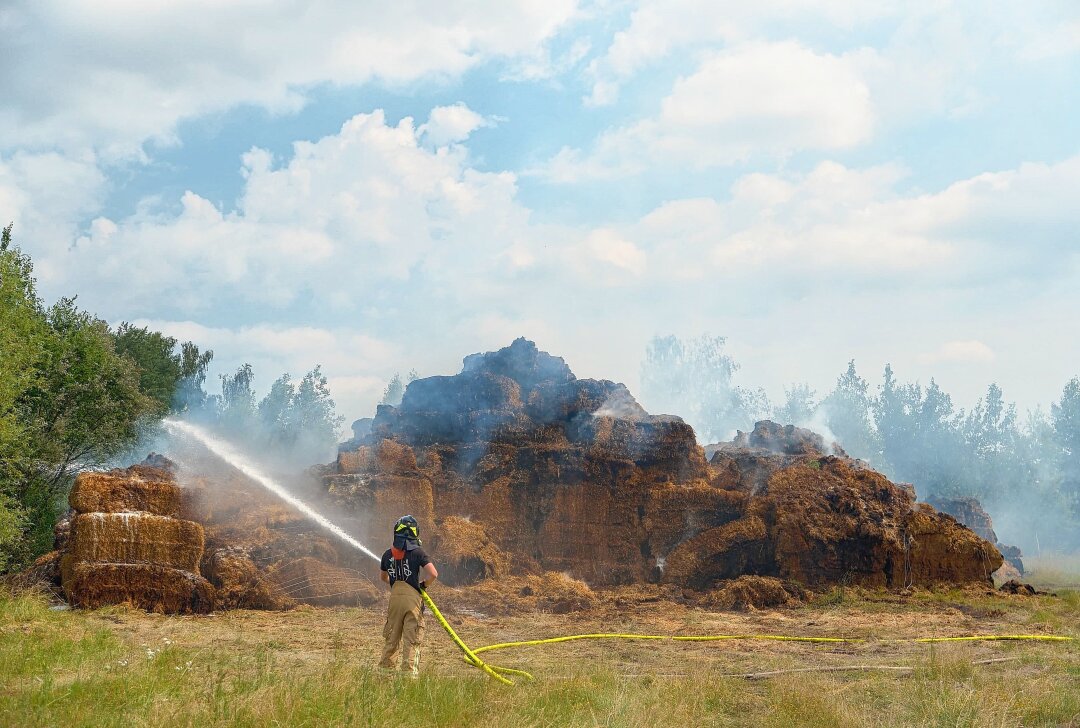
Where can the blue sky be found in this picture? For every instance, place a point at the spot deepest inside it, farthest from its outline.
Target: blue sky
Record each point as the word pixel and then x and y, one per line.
pixel 383 187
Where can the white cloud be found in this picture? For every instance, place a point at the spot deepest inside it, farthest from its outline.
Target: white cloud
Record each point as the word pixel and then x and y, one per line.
pixel 1016 224
pixel 657 30
pixel 969 351
pixel 762 93
pixel 929 51
pixel 607 247
pixel 110 74
pixel 450 124
pixel 752 100
pixel 47 196
pixel 349 214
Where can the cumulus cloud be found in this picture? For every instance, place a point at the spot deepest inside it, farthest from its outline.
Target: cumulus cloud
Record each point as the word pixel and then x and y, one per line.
pixel 607 247
pixel 449 124
pixel 839 220
pixel 656 30
pixel 347 216
pixel 751 100
pixel 930 51
pixel 370 233
pixel 121 72
pixel 47 196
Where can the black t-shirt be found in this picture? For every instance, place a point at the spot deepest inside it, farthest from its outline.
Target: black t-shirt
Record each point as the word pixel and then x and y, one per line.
pixel 406 569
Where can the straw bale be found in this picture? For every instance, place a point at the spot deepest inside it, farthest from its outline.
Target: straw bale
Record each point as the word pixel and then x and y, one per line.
pixel 754 592
pixel 196 503
pixel 151 587
pixel 67 570
pixel 311 581
pixel 138 488
pixel 466 554
pixel 239 584
pixel 354 461
pixel 550 591
pixel 395 495
pixel 395 458
pixel 137 538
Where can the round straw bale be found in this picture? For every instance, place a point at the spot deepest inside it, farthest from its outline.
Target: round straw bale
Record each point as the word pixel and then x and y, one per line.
pixel 131 538
pixel 147 586
pixel 119 491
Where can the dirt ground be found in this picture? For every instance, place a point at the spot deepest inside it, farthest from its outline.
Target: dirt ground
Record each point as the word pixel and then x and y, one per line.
pixel 308 636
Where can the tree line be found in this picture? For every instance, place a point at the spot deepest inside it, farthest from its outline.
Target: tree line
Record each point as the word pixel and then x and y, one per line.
pixel 78 394
pixel 1024 468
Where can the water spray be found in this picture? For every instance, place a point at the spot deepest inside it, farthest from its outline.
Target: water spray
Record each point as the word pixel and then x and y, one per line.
pixel 237 460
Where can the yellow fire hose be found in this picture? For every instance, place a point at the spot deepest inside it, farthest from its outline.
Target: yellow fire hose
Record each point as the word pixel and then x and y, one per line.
pixel 471 656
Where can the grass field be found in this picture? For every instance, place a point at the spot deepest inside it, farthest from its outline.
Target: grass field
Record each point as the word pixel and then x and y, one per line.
pixel 118 667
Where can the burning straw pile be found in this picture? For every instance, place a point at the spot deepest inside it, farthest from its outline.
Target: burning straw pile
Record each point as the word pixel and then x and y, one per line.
pixel 128 546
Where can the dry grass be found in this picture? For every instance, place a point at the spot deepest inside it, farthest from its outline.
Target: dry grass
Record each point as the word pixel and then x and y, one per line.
pixel 314 667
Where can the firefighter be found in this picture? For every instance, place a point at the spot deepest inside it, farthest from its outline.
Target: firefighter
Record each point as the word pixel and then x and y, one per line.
pixel 408 569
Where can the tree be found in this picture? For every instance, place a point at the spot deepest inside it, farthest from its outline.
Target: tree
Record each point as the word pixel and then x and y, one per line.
pixel 312 416
pixel 152 352
pixel 163 370
pixel 72 396
pixel 22 324
pixel 275 412
pixel 297 419
pixel 848 415
pixel 1065 416
pixel 236 408
pixel 798 407
pixel 84 408
pixel 394 391
pixel 694 379
pixel 189 394
pixel 894 419
pixel 990 440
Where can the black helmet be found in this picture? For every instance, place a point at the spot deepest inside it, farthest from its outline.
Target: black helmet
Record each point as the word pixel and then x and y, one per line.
pixel 406 533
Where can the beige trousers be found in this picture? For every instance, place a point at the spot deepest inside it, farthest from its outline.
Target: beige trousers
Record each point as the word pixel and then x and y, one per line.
pixel 404 620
